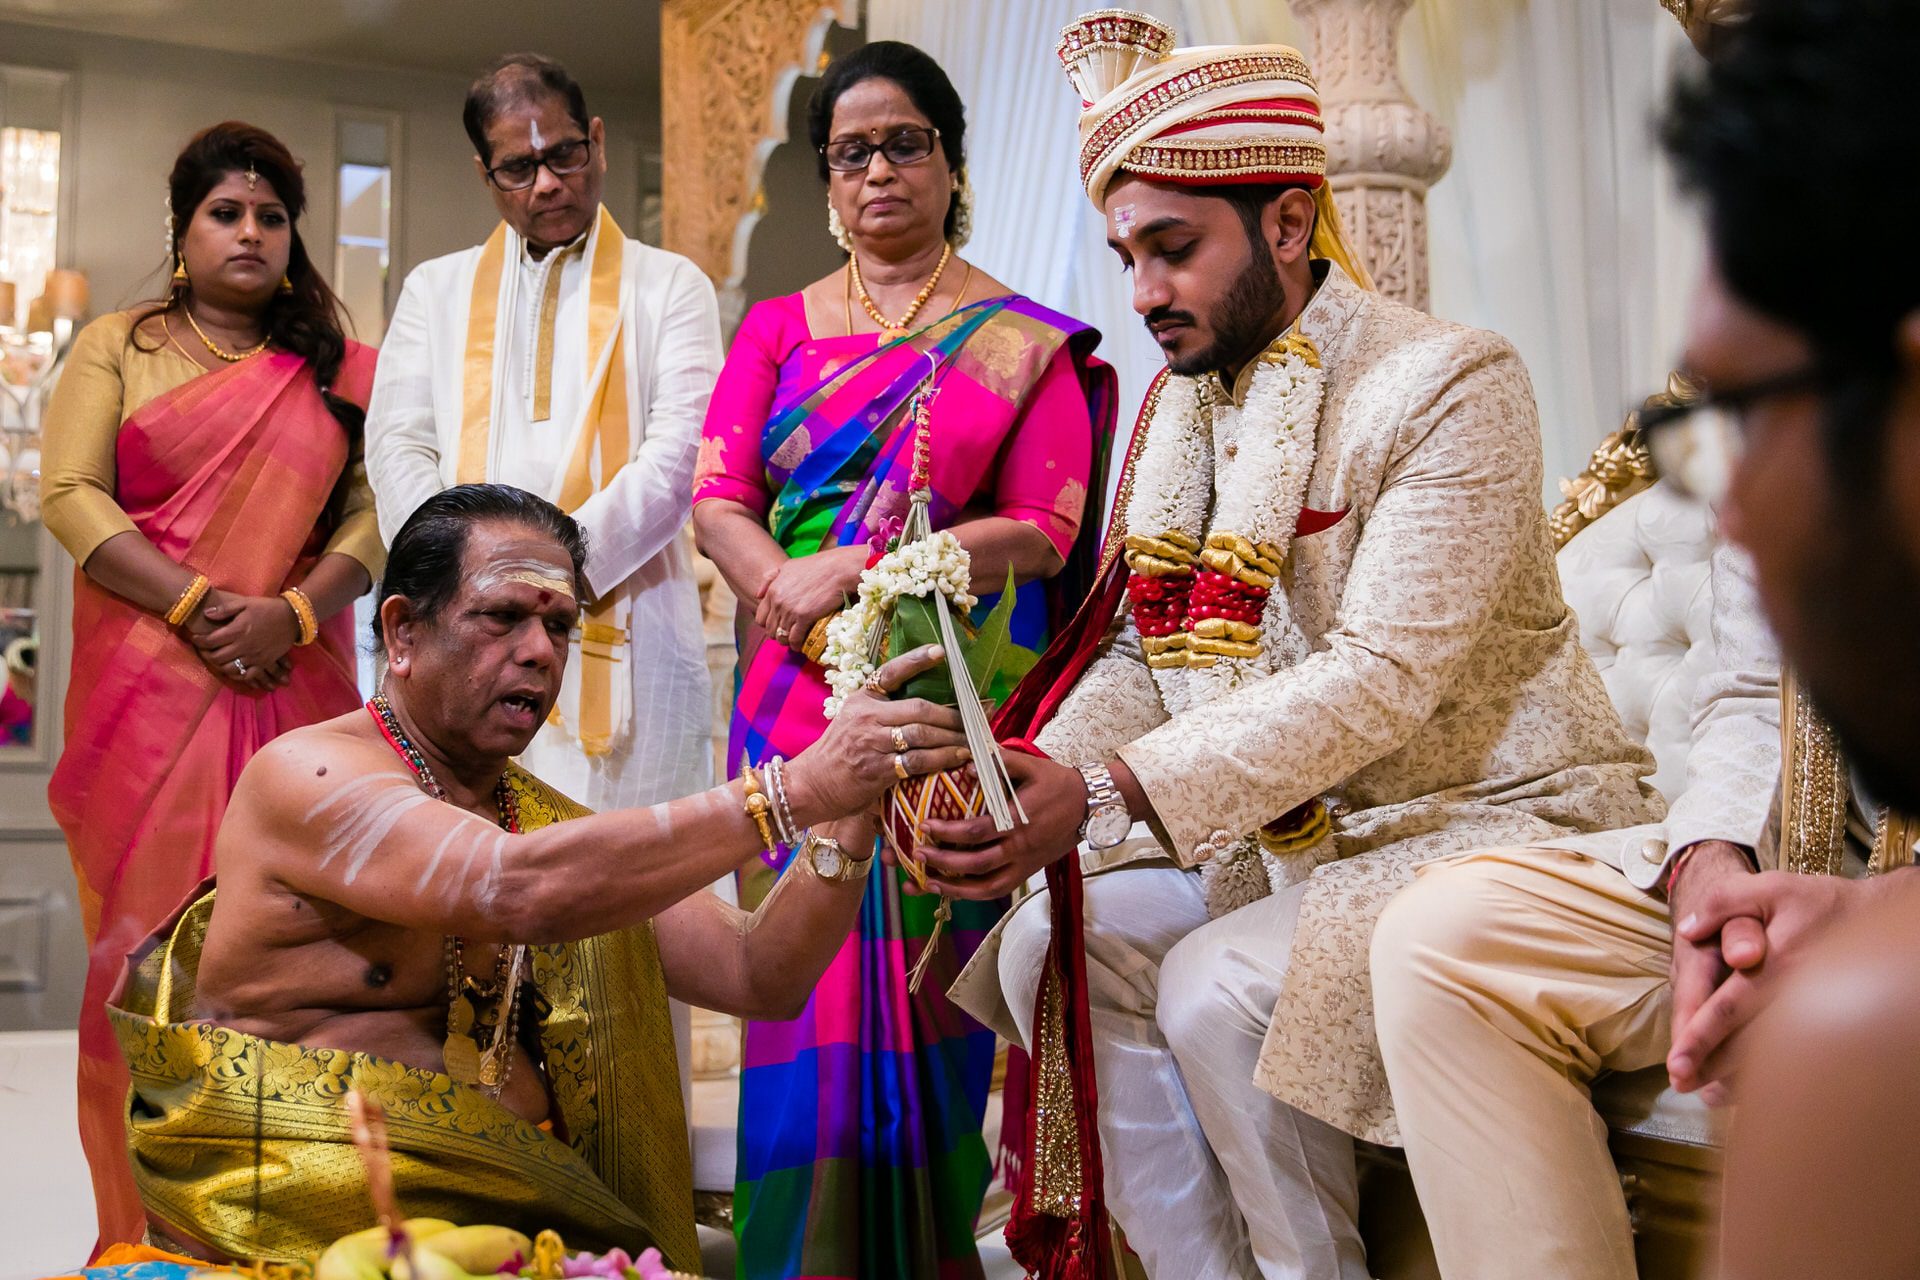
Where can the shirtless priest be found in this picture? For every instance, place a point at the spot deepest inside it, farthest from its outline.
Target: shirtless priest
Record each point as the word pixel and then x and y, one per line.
pixel 402 911
pixel 1335 646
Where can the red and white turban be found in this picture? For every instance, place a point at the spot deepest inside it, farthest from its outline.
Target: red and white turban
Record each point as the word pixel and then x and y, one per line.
pixel 1208 116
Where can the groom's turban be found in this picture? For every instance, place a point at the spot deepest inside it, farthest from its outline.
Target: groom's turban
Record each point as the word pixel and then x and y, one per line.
pixel 1206 117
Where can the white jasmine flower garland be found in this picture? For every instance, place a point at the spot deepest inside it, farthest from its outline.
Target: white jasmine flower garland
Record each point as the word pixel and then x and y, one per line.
pixel 918 568
pixel 1249 467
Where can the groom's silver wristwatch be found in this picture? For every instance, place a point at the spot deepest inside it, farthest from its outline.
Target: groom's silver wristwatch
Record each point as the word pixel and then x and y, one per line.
pixel 1108 821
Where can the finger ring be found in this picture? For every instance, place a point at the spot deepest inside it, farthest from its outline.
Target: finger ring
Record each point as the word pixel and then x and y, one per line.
pixel 874 687
pixel 781 635
pixel 900 767
pixel 899 739
pixel 240 666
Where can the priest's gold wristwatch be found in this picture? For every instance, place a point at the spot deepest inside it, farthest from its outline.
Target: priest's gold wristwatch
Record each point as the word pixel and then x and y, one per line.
pixel 832 863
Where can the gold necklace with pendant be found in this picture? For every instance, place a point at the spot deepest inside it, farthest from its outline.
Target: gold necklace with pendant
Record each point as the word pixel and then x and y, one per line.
pixel 472 1005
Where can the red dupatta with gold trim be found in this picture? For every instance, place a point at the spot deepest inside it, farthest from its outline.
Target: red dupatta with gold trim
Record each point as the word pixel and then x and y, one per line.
pixel 233 474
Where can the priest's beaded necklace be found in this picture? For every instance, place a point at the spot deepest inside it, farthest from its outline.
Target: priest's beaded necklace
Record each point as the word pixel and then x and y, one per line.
pixel 490 1005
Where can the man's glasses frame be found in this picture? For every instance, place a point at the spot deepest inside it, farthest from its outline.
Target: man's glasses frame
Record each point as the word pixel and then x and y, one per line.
pixel 903 147
pixel 560 160
pixel 1697 437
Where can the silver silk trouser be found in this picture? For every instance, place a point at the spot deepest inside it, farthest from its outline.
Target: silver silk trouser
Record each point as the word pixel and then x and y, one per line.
pixel 1209 1175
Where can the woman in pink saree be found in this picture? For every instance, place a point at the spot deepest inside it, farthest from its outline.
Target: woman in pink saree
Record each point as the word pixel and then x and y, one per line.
pixel 202 467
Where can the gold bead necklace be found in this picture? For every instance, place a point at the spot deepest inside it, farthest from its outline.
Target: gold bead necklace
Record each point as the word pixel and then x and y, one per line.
pixel 893 330
pixel 231 357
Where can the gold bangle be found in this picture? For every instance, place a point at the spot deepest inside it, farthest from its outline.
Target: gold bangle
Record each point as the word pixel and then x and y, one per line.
pixel 758 808
pixel 189 600
pixel 303 614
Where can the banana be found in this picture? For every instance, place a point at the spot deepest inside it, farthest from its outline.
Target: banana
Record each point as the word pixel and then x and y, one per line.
pixel 427 1265
pixel 479 1250
pixel 363 1255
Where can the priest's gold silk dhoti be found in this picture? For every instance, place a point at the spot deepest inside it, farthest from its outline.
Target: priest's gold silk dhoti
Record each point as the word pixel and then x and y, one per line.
pixel 243 1144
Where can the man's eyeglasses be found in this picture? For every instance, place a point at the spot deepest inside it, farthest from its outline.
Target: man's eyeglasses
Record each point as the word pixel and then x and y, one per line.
pixel 853 155
pixel 1697 437
pixel 562 159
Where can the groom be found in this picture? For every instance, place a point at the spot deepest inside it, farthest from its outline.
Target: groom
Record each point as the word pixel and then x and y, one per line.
pixel 1335 646
pixel 563 358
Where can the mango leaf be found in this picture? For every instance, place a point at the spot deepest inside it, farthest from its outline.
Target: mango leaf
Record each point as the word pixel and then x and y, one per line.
pixel 916 624
pixel 994 661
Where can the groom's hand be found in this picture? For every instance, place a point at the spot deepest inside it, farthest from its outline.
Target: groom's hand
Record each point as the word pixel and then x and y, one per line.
pixel 967 858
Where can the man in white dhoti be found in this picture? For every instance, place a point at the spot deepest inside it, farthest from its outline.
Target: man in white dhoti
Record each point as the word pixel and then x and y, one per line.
pixel 1337 648
pixel 564 358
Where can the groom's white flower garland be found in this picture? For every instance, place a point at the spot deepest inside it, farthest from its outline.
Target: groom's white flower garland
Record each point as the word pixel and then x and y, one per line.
pixel 1207 598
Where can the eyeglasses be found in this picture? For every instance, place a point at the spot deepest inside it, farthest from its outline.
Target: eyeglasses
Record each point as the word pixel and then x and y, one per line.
pixel 1697 437
pixel 562 159
pixel 908 146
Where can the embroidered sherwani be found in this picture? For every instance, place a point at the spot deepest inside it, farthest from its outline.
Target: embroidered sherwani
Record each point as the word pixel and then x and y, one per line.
pixel 582 376
pixel 1446 704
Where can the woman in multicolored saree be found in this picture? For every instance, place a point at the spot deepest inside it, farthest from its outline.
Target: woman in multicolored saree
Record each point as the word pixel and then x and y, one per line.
pixel 202 466
pixel 861 1153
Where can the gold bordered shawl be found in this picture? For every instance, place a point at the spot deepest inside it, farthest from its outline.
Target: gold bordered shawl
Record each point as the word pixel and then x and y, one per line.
pixel 598 451
pixel 243 1143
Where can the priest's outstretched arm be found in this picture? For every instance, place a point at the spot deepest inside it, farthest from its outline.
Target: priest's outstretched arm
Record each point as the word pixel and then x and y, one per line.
pixel 332 821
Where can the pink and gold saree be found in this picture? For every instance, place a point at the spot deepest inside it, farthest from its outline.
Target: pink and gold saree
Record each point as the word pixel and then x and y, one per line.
pixel 233 474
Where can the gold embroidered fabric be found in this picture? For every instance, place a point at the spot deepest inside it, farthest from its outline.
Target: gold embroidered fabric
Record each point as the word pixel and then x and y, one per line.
pixel 1057 1175
pixel 1815 790
pixel 243 1143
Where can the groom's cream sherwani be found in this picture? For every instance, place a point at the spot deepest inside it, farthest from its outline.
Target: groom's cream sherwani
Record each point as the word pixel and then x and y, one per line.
pixel 583 377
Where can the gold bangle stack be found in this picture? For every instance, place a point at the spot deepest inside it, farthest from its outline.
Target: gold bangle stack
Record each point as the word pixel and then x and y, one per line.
pixel 189 600
pixel 759 808
pixel 303 613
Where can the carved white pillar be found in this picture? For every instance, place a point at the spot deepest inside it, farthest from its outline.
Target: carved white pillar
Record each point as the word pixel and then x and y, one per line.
pixel 1383 150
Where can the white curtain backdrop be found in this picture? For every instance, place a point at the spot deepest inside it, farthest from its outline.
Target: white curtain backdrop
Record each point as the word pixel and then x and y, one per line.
pixel 1557 225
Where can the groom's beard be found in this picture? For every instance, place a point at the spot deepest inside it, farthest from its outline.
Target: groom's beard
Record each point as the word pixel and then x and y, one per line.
pixel 1239 324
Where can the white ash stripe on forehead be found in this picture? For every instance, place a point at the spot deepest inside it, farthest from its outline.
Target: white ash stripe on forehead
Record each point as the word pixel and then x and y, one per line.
pixel 547 575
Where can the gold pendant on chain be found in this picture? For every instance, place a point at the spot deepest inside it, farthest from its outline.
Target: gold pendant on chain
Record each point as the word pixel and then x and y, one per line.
pixel 461 1054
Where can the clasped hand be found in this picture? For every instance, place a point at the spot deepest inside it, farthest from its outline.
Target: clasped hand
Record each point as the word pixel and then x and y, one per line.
pixel 805 589
pixel 259 632
pixel 1735 933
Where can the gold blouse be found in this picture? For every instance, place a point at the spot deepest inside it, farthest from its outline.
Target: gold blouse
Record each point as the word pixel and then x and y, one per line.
pixel 106 381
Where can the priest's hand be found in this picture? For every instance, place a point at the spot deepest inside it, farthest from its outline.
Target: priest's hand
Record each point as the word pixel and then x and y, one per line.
pixel 1763 925
pixel 873 742
pixel 969 859
pixel 806 589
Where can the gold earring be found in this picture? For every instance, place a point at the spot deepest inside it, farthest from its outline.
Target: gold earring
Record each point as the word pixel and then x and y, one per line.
pixel 286 284
pixel 180 273
pixel 838 230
